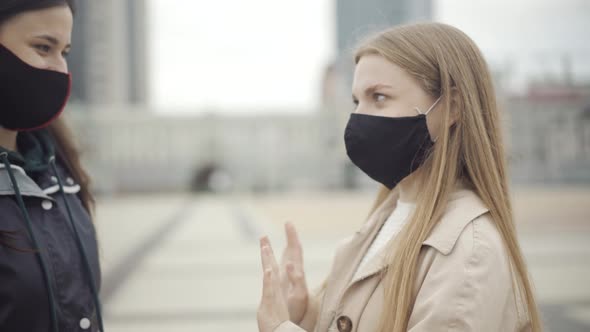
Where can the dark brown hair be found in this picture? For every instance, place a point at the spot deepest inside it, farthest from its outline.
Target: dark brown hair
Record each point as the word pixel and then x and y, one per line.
pixel 10 8
pixel 68 155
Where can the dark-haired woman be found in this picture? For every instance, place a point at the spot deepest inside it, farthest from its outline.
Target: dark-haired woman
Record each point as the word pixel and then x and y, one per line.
pixel 49 269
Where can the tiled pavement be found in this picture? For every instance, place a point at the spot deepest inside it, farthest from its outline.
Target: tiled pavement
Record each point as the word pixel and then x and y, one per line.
pixel 176 263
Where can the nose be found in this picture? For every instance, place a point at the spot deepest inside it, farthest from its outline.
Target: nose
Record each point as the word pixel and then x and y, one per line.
pixel 362 109
pixel 59 65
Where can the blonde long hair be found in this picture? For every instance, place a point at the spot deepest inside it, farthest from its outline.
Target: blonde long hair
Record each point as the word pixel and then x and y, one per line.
pixel 447 63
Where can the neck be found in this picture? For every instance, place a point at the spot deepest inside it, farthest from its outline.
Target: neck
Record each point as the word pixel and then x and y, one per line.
pixel 410 187
pixel 8 139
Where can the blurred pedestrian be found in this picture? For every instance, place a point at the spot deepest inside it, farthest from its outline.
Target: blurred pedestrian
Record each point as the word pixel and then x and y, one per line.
pixel 49 269
pixel 439 251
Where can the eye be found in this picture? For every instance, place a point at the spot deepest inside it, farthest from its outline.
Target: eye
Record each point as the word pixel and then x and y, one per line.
pixel 355 102
pixel 65 54
pixel 379 98
pixel 43 48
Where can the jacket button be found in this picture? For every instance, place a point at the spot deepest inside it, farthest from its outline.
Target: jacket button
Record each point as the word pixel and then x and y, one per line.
pixel 47 205
pixel 84 323
pixel 344 324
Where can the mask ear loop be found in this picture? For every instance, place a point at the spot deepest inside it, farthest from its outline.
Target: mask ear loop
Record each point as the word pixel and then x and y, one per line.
pixel 428 111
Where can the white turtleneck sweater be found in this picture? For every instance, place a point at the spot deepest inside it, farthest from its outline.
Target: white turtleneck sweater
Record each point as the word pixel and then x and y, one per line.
pixel 388 230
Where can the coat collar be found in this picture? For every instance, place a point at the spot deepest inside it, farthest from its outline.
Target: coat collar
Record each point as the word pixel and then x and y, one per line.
pixel 463 207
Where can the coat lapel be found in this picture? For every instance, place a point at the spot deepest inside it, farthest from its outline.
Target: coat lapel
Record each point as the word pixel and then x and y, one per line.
pixel 348 257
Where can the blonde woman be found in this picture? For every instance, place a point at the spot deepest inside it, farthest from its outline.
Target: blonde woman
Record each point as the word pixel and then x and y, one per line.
pixel 439 251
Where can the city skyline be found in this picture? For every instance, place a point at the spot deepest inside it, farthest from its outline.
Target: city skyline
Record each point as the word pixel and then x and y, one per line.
pixel 208 58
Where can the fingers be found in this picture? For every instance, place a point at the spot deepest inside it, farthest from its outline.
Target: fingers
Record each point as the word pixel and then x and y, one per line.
pixel 291 234
pixel 267 288
pixel 284 279
pixel 296 277
pixel 269 265
pixel 293 243
pixel 268 257
pixel 273 309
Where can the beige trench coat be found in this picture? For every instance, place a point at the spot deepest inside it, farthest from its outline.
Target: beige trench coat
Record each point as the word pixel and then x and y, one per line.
pixel 463 283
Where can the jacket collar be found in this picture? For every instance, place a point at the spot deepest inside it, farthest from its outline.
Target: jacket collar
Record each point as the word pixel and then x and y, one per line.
pixel 27 186
pixel 35 150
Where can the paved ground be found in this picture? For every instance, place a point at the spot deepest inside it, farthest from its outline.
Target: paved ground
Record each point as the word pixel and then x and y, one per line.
pixel 178 263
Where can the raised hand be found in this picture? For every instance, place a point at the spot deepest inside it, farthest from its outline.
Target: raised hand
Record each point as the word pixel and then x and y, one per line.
pixel 293 284
pixel 273 306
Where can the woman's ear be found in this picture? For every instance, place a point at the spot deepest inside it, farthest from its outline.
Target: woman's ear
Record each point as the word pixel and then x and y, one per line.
pixel 455 107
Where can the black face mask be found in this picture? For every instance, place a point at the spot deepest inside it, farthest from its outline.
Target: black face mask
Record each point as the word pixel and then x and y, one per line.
pixel 388 149
pixel 30 98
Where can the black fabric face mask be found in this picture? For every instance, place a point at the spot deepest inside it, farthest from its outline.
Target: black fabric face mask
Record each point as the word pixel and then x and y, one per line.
pixel 30 98
pixel 388 149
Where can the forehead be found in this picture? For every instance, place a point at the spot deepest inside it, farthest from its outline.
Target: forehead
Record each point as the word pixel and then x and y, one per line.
pixel 375 69
pixel 56 21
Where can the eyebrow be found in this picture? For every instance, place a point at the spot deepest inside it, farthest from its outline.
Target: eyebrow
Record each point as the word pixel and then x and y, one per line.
pixel 374 87
pixel 52 40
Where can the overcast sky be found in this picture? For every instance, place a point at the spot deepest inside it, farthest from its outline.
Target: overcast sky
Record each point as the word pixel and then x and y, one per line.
pixel 235 55
pixel 531 36
pixel 239 56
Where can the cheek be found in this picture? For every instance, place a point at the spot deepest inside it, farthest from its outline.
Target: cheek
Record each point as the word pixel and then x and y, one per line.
pixel 27 54
pixel 397 108
pixel 31 57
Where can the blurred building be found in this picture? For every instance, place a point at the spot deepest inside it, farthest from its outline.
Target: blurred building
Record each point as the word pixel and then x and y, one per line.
pixel 357 18
pixel 109 55
pixel 142 151
pixel 548 141
pixel 549 130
